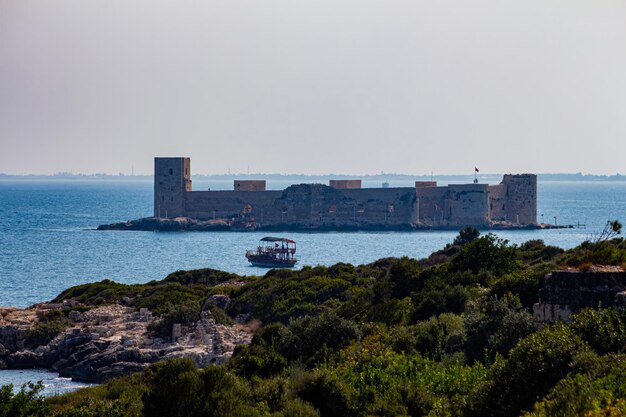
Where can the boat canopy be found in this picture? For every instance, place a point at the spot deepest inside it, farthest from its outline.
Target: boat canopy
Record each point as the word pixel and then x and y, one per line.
pixel 276 239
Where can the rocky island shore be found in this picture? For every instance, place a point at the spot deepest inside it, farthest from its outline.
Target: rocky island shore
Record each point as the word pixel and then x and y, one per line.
pixel 189 224
pixel 96 340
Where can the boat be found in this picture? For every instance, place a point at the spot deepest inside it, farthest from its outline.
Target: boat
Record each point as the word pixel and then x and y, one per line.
pixel 273 252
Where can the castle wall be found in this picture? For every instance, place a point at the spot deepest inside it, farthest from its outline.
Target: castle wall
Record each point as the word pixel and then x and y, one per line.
pixel 317 205
pixel 226 204
pixel 498 202
pixel 521 198
pixel 453 206
pixel 419 184
pixel 249 185
pixel 345 184
pixel 380 206
pixel 430 202
pixel 467 205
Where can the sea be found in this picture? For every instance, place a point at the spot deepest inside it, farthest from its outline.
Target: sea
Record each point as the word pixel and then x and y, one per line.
pixel 49 241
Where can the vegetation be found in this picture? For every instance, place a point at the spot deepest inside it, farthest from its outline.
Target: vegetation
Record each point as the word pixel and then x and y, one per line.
pixel 50 325
pixel 450 335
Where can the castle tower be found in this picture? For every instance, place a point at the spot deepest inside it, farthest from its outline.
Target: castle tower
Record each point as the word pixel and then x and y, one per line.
pixel 521 198
pixel 172 179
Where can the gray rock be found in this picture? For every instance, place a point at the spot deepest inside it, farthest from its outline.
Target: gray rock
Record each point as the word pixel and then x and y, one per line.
pixel 75 316
pixel 220 300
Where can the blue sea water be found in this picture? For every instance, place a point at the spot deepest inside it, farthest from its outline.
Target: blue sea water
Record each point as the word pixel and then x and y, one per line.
pixel 52 383
pixel 48 242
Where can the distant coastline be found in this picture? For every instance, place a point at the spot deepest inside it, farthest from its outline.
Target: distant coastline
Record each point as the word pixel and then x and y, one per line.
pixel 485 178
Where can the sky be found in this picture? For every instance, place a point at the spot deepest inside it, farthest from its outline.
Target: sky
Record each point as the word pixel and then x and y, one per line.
pixel 314 87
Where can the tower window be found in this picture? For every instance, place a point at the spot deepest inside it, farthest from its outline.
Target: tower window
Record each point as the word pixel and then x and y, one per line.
pixel 171 171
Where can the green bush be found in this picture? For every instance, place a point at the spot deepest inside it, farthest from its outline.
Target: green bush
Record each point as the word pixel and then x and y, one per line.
pixel 27 402
pixel 585 395
pixel 524 284
pixel 51 325
pixel 466 235
pixel 185 314
pixel 489 253
pixel 326 393
pixel 256 360
pixel 439 336
pixel 297 408
pixel 603 329
pixel 436 298
pixel 494 325
pixel 533 368
pixel 176 389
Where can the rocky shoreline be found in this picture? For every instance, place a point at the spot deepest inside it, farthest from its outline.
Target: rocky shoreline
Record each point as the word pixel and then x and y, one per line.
pixel 111 340
pixel 189 224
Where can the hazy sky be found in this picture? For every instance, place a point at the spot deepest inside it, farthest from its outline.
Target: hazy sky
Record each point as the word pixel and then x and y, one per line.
pixel 343 86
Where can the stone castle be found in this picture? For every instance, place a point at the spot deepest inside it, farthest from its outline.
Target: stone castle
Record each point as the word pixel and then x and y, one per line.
pixel 343 204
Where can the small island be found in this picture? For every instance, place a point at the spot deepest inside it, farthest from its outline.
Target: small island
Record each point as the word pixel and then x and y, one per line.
pixel 342 205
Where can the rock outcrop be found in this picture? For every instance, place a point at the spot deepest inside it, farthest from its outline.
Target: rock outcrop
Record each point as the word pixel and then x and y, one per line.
pixel 110 341
pixel 168 225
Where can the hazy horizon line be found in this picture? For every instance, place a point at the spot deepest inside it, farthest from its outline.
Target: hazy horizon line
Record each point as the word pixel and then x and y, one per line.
pixel 61 175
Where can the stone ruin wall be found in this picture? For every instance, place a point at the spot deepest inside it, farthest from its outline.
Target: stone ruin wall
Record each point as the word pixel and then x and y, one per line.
pixel 568 292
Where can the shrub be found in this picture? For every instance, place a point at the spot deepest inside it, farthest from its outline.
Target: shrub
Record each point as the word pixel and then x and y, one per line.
pixel 581 394
pixel 321 335
pixel 51 325
pixel 184 314
pixel 489 253
pixel 175 389
pixel 439 336
pixel 494 325
pixel 525 284
pixel 466 235
pixel 297 408
pixel 437 298
pixel 533 368
pixel 27 402
pixel 256 360
pixel 326 393
pixel 603 329
pixel 403 274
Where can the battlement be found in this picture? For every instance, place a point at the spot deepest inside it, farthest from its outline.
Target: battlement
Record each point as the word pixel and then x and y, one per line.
pixel 345 184
pixel 249 185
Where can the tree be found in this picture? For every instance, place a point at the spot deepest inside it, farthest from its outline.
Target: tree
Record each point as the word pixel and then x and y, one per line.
pixel 466 235
pixel 489 253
